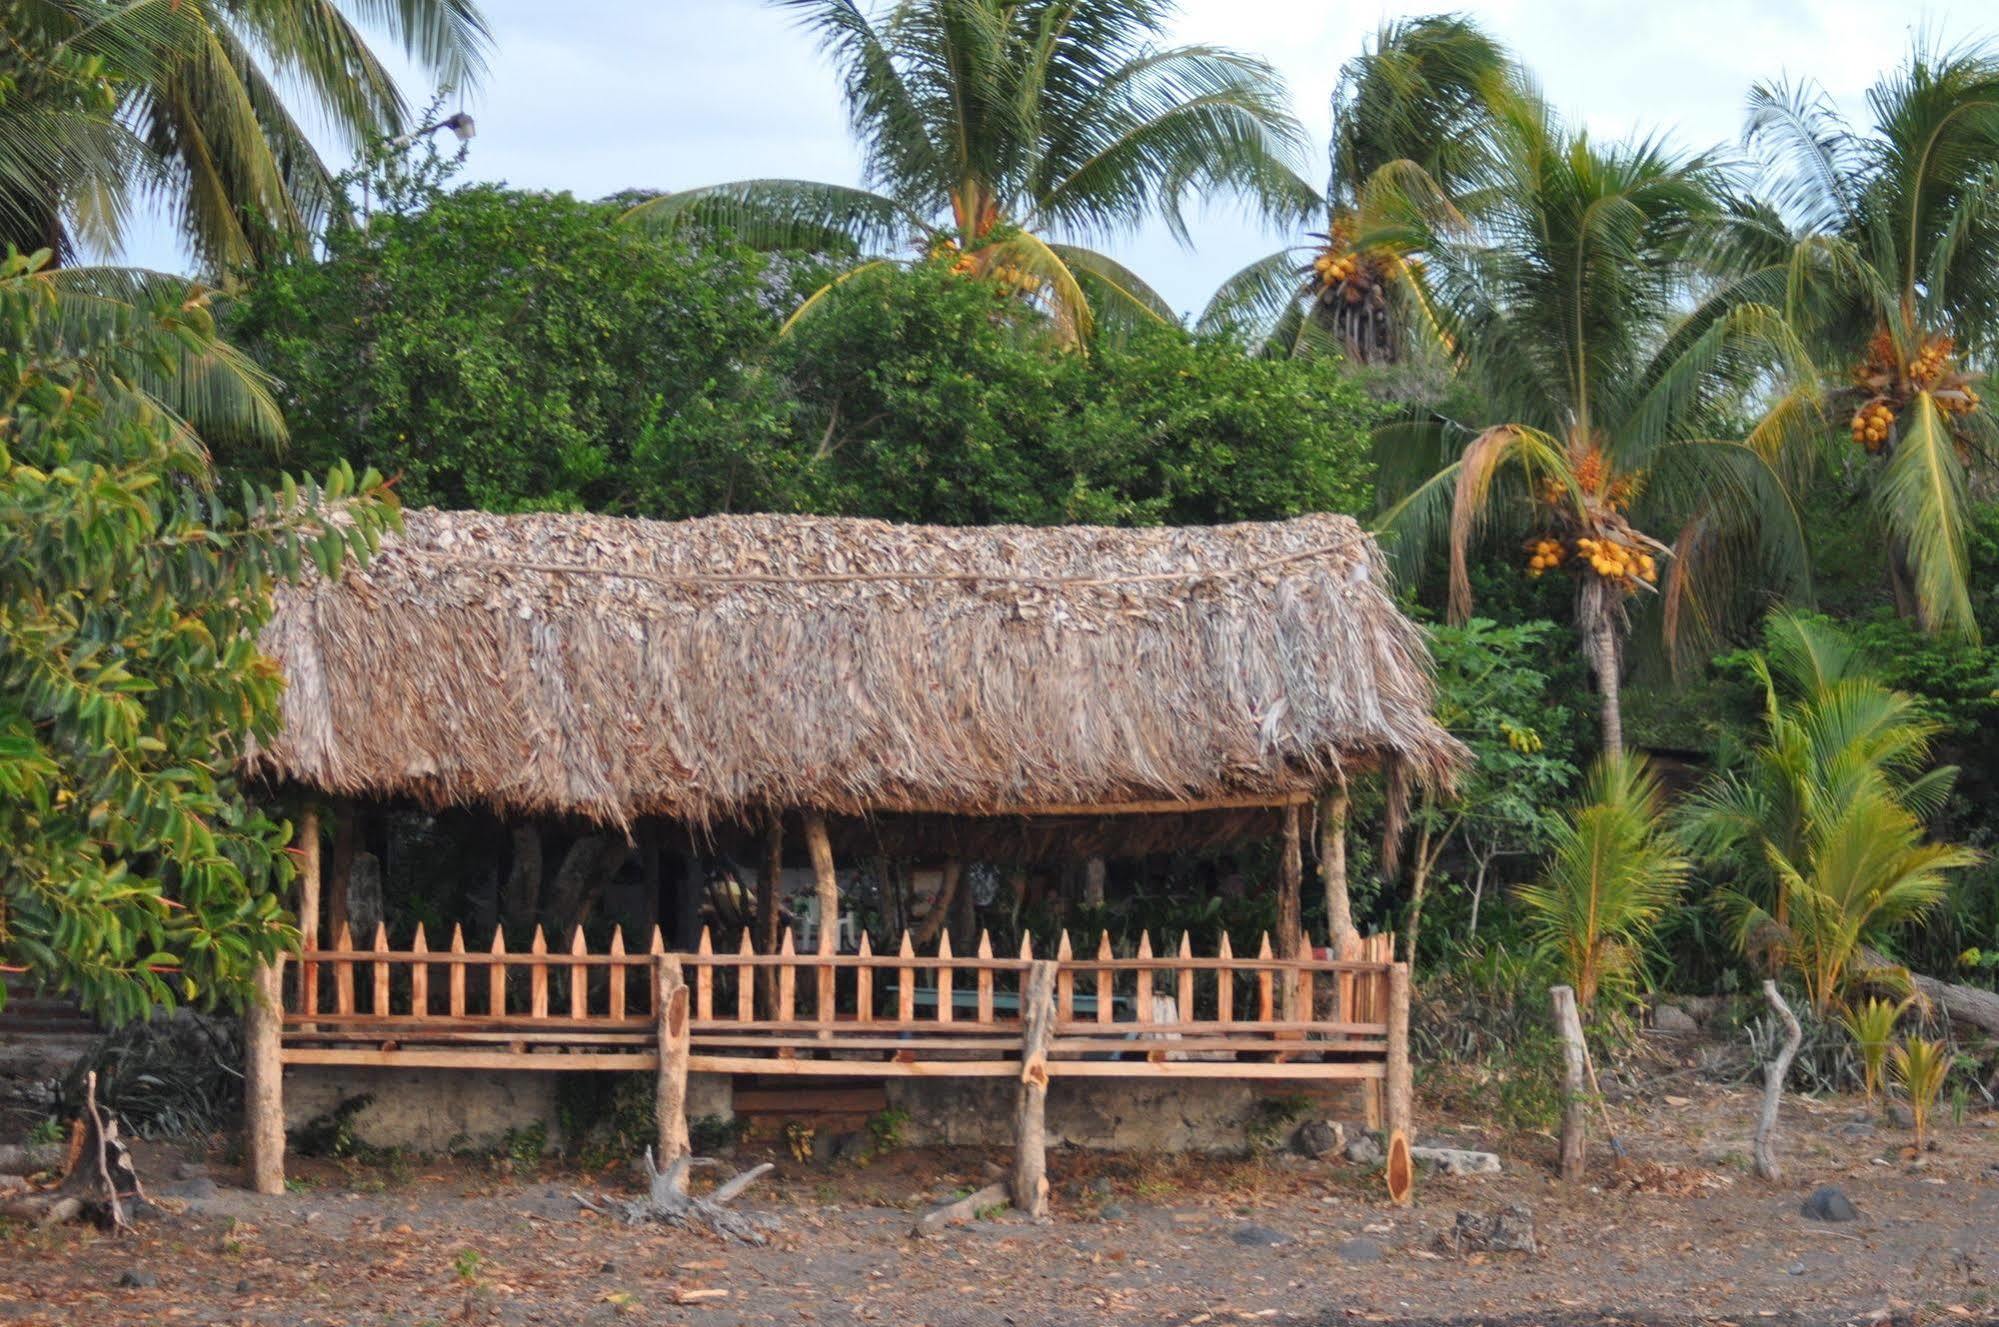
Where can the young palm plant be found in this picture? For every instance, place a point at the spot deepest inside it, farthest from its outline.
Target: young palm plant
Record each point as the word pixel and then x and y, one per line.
pixel 1614 872
pixel 1895 270
pixel 1415 105
pixel 1921 1065
pixel 1822 822
pixel 1872 1027
pixel 1593 302
pixel 197 103
pixel 1002 135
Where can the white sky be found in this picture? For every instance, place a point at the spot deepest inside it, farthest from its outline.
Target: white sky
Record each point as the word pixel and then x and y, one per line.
pixel 593 96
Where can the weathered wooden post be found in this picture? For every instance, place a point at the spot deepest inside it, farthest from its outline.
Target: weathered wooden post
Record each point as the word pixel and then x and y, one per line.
pixel 1400 1090
pixel 307 849
pixel 670 1091
pixel 1030 1136
pixel 263 1022
pixel 828 885
pixel 1575 1098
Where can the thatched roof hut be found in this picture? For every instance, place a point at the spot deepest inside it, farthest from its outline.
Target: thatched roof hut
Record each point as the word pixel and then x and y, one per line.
pixel 707 671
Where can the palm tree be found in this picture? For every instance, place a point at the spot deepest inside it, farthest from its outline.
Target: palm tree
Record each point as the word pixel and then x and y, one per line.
pixel 1416 102
pixel 186 102
pixel 1566 300
pixel 1896 270
pixel 1614 872
pixel 999 133
pixel 1822 823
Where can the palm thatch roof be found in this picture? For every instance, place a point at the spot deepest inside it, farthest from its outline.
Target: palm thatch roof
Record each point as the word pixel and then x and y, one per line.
pixel 711 670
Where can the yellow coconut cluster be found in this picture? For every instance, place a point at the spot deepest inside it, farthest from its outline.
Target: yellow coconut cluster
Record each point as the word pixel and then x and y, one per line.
pixel 1931 361
pixel 1544 555
pixel 1618 562
pixel 1960 400
pixel 1333 268
pixel 1014 280
pixel 1872 424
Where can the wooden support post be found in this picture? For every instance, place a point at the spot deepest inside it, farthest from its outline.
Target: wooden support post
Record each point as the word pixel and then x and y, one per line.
pixel 307 848
pixel 1341 936
pixel 1290 881
pixel 1399 1088
pixel 1030 1137
pixel 263 1080
pixel 670 1092
pixel 1575 1097
pixel 767 883
pixel 827 881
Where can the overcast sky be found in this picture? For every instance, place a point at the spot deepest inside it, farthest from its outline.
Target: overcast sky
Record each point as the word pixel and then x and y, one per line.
pixel 593 96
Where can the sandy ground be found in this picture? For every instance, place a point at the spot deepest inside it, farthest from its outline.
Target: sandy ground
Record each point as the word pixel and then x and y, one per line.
pixel 1684 1234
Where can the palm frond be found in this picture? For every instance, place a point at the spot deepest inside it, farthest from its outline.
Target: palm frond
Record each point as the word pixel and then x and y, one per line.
pixel 1925 503
pixel 797 215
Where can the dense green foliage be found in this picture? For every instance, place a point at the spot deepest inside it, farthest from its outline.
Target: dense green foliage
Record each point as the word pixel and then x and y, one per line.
pixel 134 870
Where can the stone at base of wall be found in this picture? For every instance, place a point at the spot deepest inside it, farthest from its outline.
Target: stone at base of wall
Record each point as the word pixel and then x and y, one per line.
pixel 431 1110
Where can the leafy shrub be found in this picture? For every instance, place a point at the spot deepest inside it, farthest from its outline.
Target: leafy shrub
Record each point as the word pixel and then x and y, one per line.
pixel 174 1075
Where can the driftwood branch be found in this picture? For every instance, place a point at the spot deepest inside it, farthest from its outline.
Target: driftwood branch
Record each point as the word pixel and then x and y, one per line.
pixel 1773 1083
pixel 934 1220
pixel 98 1179
pixel 668 1202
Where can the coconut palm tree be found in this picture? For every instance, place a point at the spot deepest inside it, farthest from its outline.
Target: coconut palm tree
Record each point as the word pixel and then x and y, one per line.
pixel 1575 306
pixel 197 106
pixel 1896 272
pixel 1415 102
pixel 1000 135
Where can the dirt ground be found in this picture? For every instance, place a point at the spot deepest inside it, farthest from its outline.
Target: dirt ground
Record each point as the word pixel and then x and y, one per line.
pixel 1684 1234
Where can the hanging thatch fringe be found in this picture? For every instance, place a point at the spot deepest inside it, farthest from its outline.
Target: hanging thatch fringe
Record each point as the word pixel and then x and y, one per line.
pixel 701 670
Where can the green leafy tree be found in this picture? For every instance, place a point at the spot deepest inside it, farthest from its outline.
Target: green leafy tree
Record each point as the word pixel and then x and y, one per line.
pixel 1495 695
pixel 923 398
pixel 1894 269
pixel 1001 136
pixel 1614 404
pixel 134 870
pixel 1614 873
pixel 1413 107
pixel 203 105
pixel 504 349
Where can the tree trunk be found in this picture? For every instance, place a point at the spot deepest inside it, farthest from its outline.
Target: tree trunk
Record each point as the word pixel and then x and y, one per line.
pixel 940 907
pixel 687 901
pixel 1093 883
pixel 1608 661
pixel 1774 1074
pixel 589 862
pixel 1341 934
pixel 523 888
pixel 768 879
pixel 340 865
pixel 827 881
pixel 1575 1095
pixel 1419 886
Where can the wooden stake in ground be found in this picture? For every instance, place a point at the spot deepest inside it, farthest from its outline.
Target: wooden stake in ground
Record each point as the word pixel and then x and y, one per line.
pixel 1030 1143
pixel 1774 1074
pixel 1399 1087
pixel 1575 1092
pixel 670 1092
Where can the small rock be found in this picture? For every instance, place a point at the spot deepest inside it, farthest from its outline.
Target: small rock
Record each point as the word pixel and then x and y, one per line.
pixel 1317 1138
pixel 1101 1186
pixel 1674 1021
pixel 1903 1117
pixel 1258 1237
pixel 312 1217
pixel 1510 1229
pixel 608 1269
pixel 137 1278
pixel 1856 1129
pixel 1359 1250
pixel 851 1146
pixel 198 1187
pixel 1111 1212
pixel 1829 1204
pixel 1797 1269
pixel 244 1287
pixel 1456 1160
pixel 1362 1150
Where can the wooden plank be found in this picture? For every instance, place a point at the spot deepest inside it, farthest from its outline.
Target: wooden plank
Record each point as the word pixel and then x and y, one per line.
pixel 1103 978
pixel 787 979
pixel 1225 982
pixel 1155 1047
pixel 864 984
pixel 1142 981
pixel 380 994
pixel 746 1003
pixel 430 1034
pixel 863 1100
pixel 927 1046
pixel 496 976
pixel 456 979
pixel 538 976
pixel 1183 992
pixel 616 993
pixel 985 979
pixel 1065 980
pixel 1366 1069
pixel 419 976
pixel 1264 1013
pixel 1089 1026
pixel 704 979
pixel 740 1064
pixel 944 1010
pixel 555 1062
pixel 579 978
pixel 905 991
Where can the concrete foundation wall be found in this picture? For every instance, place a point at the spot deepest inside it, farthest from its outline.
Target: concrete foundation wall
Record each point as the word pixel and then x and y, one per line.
pixel 428 1110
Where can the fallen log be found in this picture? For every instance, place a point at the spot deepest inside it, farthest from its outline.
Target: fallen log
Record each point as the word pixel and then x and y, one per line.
pixel 667 1201
pixel 31 1158
pixel 1966 1004
pixel 964 1209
